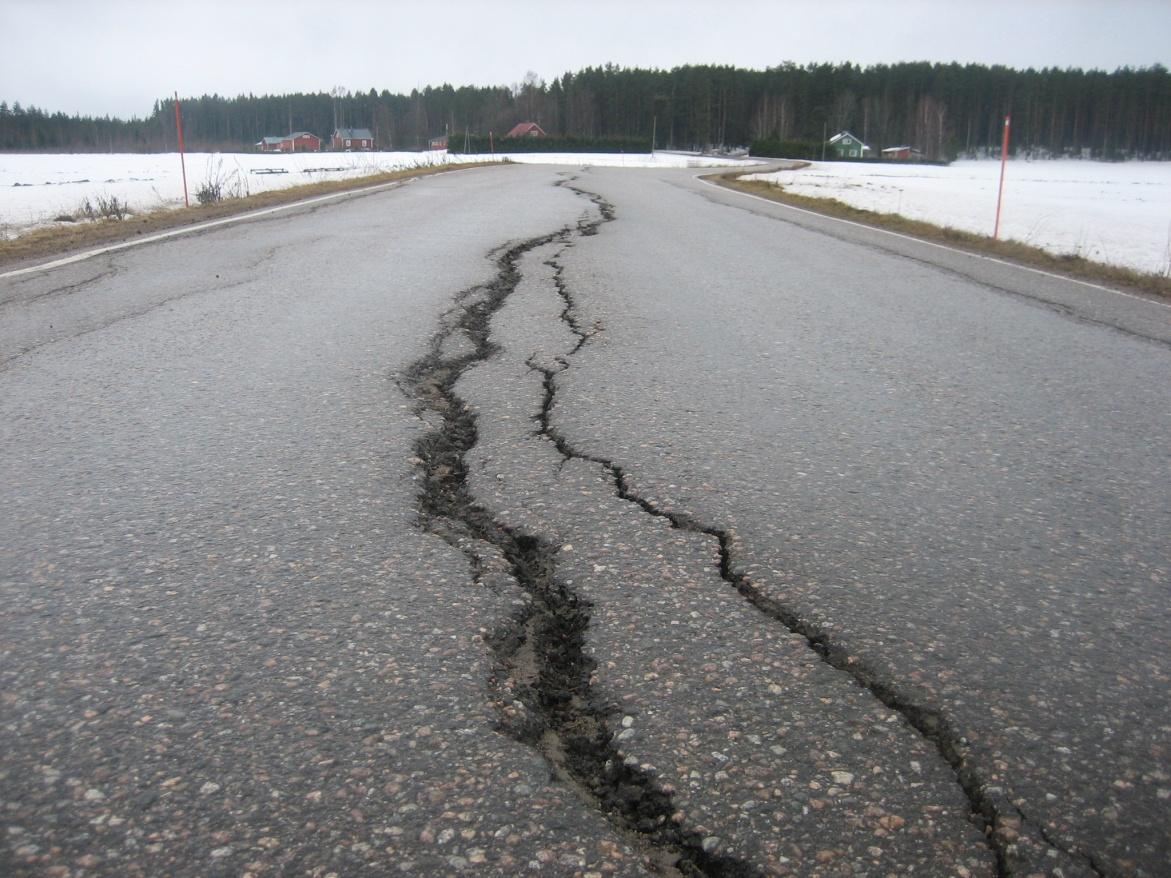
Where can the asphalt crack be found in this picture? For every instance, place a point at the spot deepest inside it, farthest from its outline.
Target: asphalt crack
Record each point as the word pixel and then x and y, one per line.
pixel 543 689
pixel 989 806
pixel 111 270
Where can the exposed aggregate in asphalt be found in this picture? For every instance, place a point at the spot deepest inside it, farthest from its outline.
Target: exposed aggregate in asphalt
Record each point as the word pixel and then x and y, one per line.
pixel 611 676
pixel 544 683
pixel 946 481
pixel 226 650
pixel 834 808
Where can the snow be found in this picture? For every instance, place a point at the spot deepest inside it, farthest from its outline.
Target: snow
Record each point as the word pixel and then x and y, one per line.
pixel 1119 213
pixel 35 188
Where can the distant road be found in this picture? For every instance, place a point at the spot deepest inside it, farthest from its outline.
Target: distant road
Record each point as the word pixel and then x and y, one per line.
pixel 586 521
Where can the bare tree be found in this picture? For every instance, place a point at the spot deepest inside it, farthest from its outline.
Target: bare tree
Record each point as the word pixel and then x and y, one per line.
pixel 841 114
pixel 770 118
pixel 338 91
pixel 931 126
pixel 529 95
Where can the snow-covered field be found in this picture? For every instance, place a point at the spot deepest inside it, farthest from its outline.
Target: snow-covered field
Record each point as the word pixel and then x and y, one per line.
pixel 1119 213
pixel 36 188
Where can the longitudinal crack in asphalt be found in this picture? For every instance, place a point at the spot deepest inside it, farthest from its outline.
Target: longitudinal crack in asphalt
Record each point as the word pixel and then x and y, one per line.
pixel 545 695
pixel 542 655
pixel 988 804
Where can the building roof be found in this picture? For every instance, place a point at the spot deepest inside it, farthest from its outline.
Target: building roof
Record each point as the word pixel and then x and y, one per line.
pixel 276 141
pixel 354 134
pixel 843 134
pixel 523 128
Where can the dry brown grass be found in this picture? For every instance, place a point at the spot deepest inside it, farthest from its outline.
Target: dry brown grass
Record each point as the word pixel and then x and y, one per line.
pixel 56 241
pixel 1070 265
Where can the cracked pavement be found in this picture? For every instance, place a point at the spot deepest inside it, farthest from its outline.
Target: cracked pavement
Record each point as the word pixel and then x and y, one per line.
pixel 581 522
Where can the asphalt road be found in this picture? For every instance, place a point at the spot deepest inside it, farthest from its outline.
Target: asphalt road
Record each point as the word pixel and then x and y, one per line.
pixel 582 522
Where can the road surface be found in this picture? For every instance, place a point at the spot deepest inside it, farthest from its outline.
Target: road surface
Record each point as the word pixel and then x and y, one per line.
pixel 582 522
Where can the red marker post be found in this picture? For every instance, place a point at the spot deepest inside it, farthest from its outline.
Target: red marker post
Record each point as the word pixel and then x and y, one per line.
pixel 182 161
pixel 1000 191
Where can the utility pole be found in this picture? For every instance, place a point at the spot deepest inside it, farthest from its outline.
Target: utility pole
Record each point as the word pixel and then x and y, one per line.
pixel 336 92
pixel 1000 191
pixel 182 160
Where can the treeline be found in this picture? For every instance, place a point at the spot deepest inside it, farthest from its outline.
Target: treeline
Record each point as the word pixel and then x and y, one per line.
pixel 942 110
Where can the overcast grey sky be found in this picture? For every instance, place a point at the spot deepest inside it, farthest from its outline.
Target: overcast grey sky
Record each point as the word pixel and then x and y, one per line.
pixel 115 57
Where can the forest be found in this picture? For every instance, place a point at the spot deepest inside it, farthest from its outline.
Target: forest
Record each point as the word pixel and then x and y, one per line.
pixel 942 110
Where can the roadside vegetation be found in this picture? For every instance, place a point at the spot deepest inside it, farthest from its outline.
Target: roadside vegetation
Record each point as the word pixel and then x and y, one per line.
pixel 1068 264
pixel 100 207
pixel 220 184
pixel 107 220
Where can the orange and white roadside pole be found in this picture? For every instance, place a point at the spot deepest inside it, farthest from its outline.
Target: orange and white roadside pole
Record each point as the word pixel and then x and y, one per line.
pixel 1000 191
pixel 182 161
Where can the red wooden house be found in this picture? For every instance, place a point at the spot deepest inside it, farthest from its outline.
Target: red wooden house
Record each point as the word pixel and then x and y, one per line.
pixel 352 138
pixel 526 129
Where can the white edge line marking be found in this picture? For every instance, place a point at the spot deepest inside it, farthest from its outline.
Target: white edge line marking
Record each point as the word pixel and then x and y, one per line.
pixel 210 224
pixel 993 259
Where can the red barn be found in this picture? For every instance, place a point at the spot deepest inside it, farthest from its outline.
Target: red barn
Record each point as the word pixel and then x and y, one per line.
pixel 902 153
pixel 300 141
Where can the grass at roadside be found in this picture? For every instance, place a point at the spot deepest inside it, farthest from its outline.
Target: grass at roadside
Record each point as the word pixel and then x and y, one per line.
pixel 60 240
pixel 1011 251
